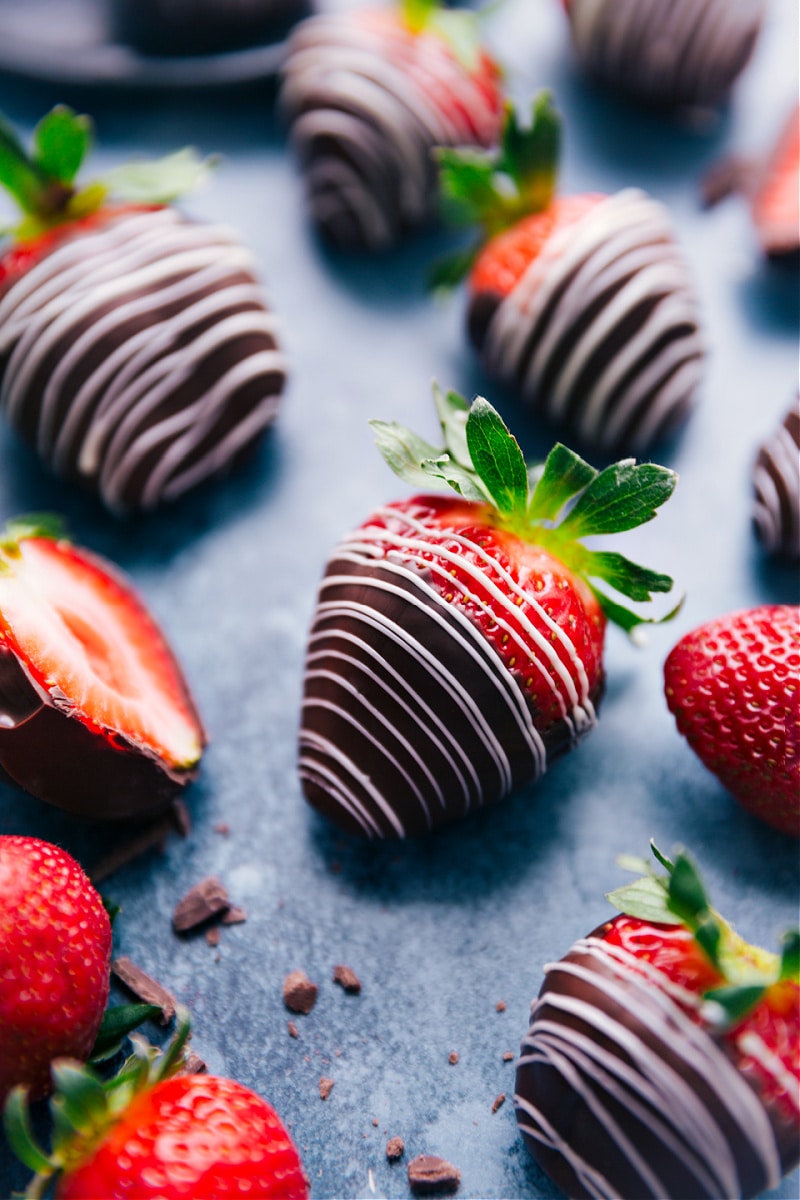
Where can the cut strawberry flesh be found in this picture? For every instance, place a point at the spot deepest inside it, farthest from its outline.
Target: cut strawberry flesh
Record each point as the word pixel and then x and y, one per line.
pixel 776 204
pixel 88 644
pixel 671 949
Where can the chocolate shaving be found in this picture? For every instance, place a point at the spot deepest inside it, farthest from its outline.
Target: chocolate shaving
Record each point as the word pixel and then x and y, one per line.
pixel 395 1148
pixel 205 900
pixel 499 1101
pixel 299 993
pixel 325 1088
pixel 726 177
pixel 181 819
pixel 293 1031
pixel 213 935
pixel 192 1064
pixel 234 916
pixel 347 979
pixel 152 837
pixel 500 1006
pixel 453 1058
pixel 222 827
pixel 429 1175
pixel 508 1056
pixel 144 987
pixel 375 1122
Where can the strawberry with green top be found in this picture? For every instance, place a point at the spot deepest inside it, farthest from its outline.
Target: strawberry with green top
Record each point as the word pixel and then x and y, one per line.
pixel 156 1134
pixel 367 95
pixel 663 1054
pixel 457 644
pixel 137 352
pixel 581 303
pixel 95 714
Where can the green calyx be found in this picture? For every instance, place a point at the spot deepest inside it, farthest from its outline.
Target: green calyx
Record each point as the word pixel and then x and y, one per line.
pixel 83 1105
pixel 553 505
pixel 458 28
pixel 31 525
pixel 43 181
pixel 679 897
pixel 494 189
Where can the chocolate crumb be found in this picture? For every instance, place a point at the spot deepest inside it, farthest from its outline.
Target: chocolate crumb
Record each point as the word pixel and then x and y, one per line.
pixel 375 1122
pixel 726 177
pixel 395 1148
pixel 234 916
pixel 213 936
pixel 181 819
pixel 144 987
pixel 429 1175
pixel 453 1058
pixel 152 837
pixel 222 827
pixel 192 1064
pixel 293 1032
pixel 500 1006
pixel 202 902
pixel 499 1101
pixel 347 979
pixel 325 1088
pixel 508 1056
pixel 299 993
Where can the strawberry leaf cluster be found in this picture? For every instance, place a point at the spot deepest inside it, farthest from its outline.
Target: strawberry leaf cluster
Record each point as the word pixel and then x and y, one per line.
pixel 554 505
pixel 679 897
pixel 458 28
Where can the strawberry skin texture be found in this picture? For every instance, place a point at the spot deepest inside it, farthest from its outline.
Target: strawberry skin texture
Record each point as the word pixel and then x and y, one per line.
pixel 195 1136
pixel 85 671
pixel 55 954
pixel 733 686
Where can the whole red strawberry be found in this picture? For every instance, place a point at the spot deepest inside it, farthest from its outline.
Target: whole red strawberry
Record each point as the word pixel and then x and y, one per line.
pixel 663 1054
pixel 368 94
pixel 96 715
pixel 137 353
pixel 55 954
pixel 457 644
pixel 149 1134
pixel 733 686
pixel 583 303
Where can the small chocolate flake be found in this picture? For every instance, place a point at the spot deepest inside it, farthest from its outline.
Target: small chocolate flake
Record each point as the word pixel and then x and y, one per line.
pixel 499 1101
pixel 325 1088
pixel 347 979
pixel 508 1056
pixel 222 827
pixel 299 993
pixel 429 1175
pixel 375 1122
pixel 453 1058
pixel 192 1064
pixel 726 177
pixel 233 916
pixel 500 1006
pixel 213 935
pixel 202 902
pixel 181 818
pixel 144 987
pixel 293 1032
pixel 395 1148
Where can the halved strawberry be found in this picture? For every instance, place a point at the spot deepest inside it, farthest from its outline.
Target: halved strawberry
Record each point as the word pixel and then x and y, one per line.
pixel 95 715
pixel 776 199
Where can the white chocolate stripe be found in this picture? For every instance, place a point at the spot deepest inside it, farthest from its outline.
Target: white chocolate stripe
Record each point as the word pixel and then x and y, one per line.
pixel 312 768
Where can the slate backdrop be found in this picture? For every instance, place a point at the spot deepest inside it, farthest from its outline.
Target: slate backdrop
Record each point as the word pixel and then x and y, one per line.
pixel 438 930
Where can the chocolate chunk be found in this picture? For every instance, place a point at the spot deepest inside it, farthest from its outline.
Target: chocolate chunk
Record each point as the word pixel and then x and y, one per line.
pixel 375 1122
pixel 144 987
pixel 234 916
pixel 202 902
pixel 500 1006
pixel 293 1031
pixel 325 1088
pixel 347 979
pixel 181 818
pixel 222 827
pixel 724 178
pixel 192 1064
pixel 395 1148
pixel 429 1175
pixel 299 993
pixel 213 936
pixel 453 1058
pixel 499 1101
pixel 508 1056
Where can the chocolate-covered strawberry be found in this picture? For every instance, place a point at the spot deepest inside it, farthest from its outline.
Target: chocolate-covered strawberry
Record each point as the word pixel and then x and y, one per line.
pixel 95 715
pixel 733 686
pixel 457 644
pixel 137 352
pixel 775 204
pixel 662 1055
pixel 776 489
pixel 367 95
pixel 582 304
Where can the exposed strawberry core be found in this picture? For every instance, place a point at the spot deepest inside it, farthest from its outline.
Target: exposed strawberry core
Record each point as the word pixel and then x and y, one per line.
pixel 85 639
pixel 505 257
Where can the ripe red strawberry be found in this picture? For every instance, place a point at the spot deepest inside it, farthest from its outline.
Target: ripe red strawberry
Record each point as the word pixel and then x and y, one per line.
pixel 581 303
pixel 368 94
pixel 155 1135
pixel 733 686
pixel 95 715
pixel 775 202
pixel 663 1055
pixel 55 954
pixel 137 354
pixel 457 644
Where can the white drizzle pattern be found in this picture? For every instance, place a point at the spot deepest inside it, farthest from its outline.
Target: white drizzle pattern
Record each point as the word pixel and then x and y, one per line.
pixel 562 338
pixel 140 356
pixel 776 484
pixel 360 100
pixel 674 52
pixel 362 648
pixel 621 1001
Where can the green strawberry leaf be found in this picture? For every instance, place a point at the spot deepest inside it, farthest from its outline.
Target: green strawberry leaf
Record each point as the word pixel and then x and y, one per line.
pixel 564 475
pixel 159 181
pixel 498 459
pixel 645 899
pixel 736 1002
pixel 449 269
pixel 18 175
pixel 530 155
pixel 790 956
pixel 404 451
pixel 467 184
pixel 621 497
pixel 659 856
pixel 687 894
pixel 460 479
pixel 625 618
pixel 20 1135
pixel 31 525
pixel 453 412
pixel 628 578
pixel 117 1023
pixel 60 142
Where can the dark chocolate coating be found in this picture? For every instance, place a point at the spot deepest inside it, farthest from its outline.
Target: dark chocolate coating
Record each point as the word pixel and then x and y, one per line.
pixel 620 1093
pixel 776 486
pixel 192 27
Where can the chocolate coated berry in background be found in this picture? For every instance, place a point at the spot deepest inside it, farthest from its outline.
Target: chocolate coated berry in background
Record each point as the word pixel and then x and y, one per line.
pixel 367 96
pixel 776 486
pixel 665 52
pixel 137 352
pixel 188 27
pixel 582 304
pixel 95 714
pixel 662 1055
pixel 457 644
